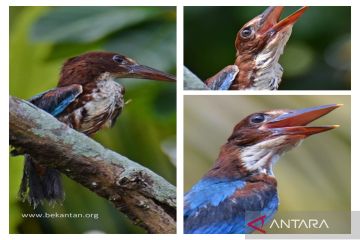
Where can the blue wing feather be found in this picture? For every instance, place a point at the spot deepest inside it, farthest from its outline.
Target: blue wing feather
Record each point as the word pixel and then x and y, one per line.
pixel 226 81
pixel 207 194
pixel 56 100
pixel 223 79
pixel 207 191
pixel 212 206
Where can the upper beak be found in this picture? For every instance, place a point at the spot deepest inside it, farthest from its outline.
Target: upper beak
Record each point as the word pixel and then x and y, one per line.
pixel 141 71
pixel 270 19
pixel 294 122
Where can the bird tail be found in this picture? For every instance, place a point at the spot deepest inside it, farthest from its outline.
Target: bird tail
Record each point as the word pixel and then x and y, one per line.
pixel 40 183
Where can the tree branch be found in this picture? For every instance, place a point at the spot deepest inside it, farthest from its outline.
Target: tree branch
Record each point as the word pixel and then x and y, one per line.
pixel 192 82
pixel 146 198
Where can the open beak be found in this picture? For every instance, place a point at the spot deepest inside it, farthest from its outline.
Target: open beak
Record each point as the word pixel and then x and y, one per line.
pixel 270 19
pixel 294 122
pixel 141 71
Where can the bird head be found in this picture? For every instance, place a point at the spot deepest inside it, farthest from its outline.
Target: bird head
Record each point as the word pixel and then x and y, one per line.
pixel 94 66
pixel 266 33
pixel 261 138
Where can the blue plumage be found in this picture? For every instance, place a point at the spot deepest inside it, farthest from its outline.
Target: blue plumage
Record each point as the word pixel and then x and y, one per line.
pixel 224 79
pixel 62 105
pixel 205 192
pixel 56 100
pixel 226 206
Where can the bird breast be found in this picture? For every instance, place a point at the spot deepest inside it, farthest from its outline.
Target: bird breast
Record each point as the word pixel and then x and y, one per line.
pixel 98 106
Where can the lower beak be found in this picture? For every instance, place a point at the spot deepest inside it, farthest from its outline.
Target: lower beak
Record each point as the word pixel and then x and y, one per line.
pixel 294 122
pixel 270 19
pixel 145 72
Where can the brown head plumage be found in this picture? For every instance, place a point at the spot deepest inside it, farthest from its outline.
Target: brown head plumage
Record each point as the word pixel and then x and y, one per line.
pixel 93 65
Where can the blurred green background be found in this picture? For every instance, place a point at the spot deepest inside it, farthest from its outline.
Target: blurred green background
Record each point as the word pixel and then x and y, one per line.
pixel 41 39
pixel 312 177
pixel 316 57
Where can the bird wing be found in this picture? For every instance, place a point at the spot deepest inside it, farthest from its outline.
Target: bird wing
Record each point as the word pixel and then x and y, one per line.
pixel 223 79
pixel 226 206
pixel 54 101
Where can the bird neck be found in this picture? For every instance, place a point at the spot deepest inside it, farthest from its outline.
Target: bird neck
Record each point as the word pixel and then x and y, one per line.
pixel 261 70
pixel 230 165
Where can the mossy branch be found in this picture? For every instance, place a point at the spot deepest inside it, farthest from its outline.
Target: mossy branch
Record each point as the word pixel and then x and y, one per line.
pixel 146 198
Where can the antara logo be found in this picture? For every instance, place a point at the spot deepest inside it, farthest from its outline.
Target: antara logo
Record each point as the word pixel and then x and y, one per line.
pixel 252 224
pixel 299 223
pixel 288 224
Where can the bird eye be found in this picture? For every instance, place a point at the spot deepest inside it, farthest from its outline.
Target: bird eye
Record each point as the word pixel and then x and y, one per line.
pixel 119 59
pixel 258 118
pixel 246 32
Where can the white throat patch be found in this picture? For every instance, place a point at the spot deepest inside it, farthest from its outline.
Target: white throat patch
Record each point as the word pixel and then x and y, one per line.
pixel 269 73
pixel 106 76
pixel 263 155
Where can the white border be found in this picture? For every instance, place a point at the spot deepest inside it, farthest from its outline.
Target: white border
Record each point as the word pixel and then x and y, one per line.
pixel 4 176
pixel 4 56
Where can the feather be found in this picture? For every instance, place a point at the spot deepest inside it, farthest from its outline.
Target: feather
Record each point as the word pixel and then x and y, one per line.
pixel 223 79
pixel 226 206
pixel 55 101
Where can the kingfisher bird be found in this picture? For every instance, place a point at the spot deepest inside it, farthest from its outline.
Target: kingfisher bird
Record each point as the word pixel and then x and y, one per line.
pixel 87 98
pixel 259 44
pixel 241 186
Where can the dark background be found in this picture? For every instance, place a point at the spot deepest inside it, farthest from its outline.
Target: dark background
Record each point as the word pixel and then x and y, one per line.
pixel 316 57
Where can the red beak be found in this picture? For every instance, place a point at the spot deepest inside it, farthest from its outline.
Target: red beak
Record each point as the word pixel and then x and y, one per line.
pixel 270 19
pixel 294 122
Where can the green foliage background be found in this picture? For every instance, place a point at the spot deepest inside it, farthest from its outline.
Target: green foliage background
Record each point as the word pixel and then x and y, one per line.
pixel 316 57
pixel 41 39
pixel 313 177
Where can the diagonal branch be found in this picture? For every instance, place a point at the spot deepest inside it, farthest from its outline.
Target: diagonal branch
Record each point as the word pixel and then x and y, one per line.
pixel 146 198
